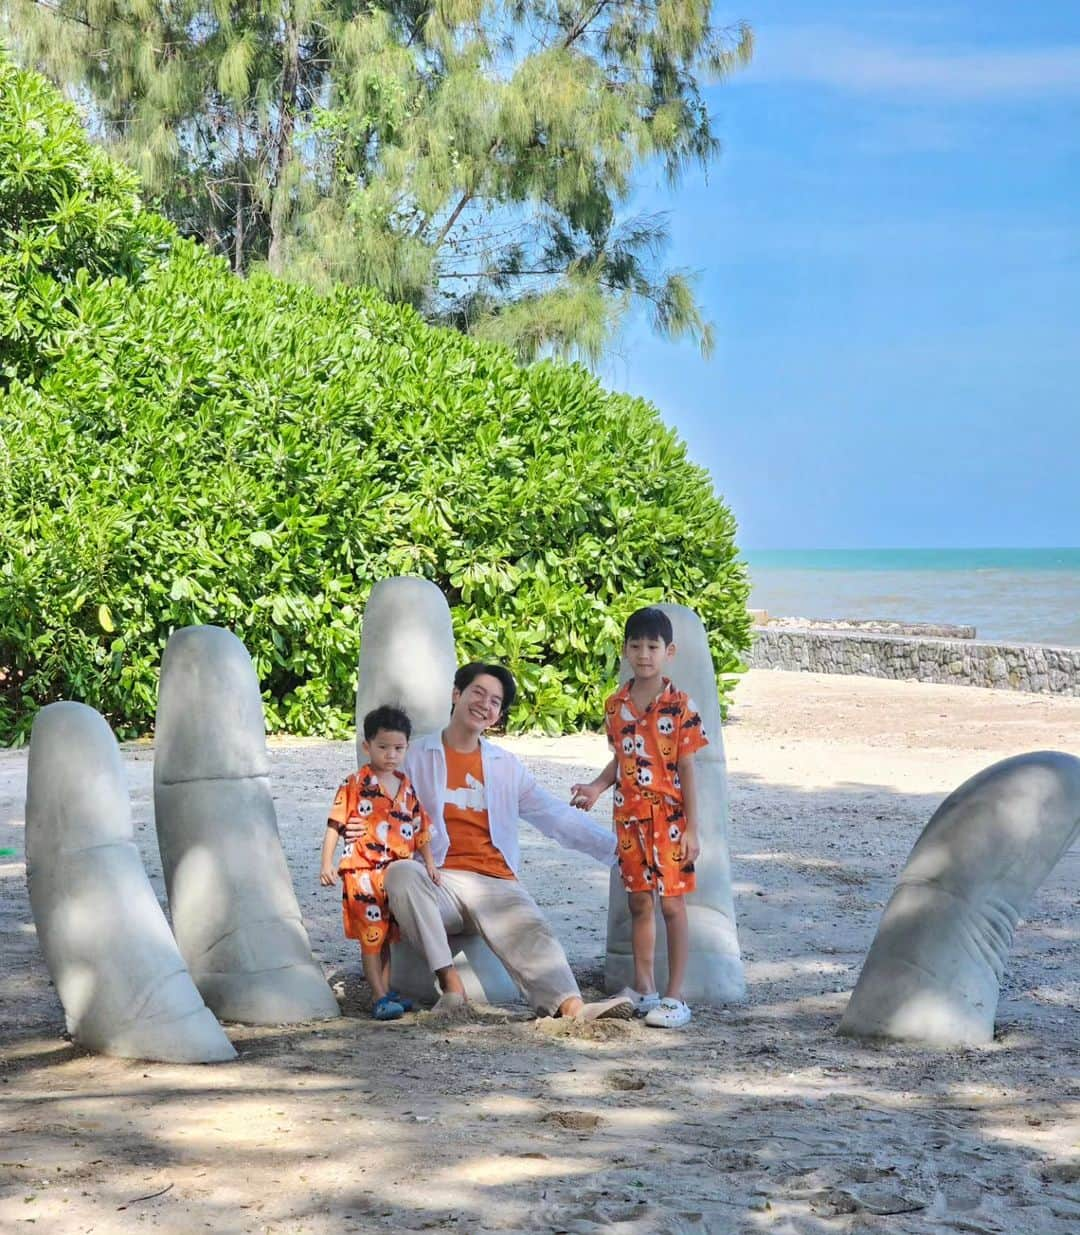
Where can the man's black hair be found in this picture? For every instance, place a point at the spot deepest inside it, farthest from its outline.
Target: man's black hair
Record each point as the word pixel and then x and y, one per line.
pixel 650 623
pixel 392 719
pixel 475 668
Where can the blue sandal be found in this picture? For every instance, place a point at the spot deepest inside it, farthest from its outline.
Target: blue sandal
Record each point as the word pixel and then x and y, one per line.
pixel 387 1009
pixel 407 1004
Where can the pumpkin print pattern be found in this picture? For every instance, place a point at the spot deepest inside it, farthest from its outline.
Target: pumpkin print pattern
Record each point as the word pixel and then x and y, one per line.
pixel 649 817
pixel 392 829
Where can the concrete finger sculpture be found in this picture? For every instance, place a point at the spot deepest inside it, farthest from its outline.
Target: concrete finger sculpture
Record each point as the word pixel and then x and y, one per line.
pixel 714 973
pixel 234 911
pixel 115 965
pixel 933 972
pixel 407 655
pixel 407 658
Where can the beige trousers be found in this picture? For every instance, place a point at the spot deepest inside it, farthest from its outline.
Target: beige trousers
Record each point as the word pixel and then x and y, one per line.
pixel 500 910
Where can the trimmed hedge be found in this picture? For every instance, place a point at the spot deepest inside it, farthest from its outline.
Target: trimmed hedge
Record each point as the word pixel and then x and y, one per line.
pixel 178 445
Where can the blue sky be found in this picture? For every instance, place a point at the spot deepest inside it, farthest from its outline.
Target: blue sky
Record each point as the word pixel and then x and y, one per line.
pixel 889 251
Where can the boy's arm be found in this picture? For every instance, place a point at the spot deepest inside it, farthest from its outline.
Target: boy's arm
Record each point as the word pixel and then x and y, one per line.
pixel 687 778
pixel 327 873
pixel 584 796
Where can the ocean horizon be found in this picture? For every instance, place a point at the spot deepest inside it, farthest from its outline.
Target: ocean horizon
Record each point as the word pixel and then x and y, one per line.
pixel 1029 595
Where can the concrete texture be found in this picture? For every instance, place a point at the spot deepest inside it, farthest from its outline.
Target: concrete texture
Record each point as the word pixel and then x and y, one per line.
pixel 407 655
pixel 407 658
pixel 233 907
pixel 714 974
pixel 114 963
pixel 933 972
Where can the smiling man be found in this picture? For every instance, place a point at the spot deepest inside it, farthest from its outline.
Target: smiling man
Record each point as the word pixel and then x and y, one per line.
pixel 475 794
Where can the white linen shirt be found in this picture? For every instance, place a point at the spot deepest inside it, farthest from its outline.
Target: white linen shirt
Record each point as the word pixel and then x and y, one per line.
pixel 512 794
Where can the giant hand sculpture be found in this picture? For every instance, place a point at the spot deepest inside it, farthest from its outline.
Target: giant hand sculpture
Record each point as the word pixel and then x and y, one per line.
pixel 234 911
pixel 933 972
pixel 715 973
pixel 115 965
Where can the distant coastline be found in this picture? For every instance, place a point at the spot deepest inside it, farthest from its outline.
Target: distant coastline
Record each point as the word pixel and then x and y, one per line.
pixel 1009 595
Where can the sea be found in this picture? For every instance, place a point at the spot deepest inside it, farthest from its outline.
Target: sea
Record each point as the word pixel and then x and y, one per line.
pixel 1008 595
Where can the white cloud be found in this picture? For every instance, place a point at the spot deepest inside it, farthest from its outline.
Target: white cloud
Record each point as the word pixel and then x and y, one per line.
pixel 834 58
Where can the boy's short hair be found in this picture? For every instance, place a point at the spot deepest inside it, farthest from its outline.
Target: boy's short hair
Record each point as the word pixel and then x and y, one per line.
pixel 648 623
pixel 467 673
pixel 394 720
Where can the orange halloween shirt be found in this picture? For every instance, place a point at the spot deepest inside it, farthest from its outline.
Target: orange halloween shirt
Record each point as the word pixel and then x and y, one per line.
pixel 392 829
pixel 648 745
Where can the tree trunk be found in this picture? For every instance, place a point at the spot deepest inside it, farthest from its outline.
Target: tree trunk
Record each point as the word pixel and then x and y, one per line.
pixel 290 80
pixel 241 186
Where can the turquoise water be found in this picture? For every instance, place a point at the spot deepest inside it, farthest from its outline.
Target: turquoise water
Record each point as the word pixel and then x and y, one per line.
pixel 1022 595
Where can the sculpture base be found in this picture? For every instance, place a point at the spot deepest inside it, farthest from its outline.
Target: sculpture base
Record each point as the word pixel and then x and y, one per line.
pixel 486 981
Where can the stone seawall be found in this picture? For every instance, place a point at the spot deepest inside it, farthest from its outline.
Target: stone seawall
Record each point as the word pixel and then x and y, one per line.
pixel 957 662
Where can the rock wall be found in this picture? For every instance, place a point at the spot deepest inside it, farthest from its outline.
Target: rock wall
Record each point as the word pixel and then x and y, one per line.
pixel 869 626
pixel 957 662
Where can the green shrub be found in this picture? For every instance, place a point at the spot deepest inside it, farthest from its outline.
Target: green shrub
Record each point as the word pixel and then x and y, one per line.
pixel 187 446
pixel 65 208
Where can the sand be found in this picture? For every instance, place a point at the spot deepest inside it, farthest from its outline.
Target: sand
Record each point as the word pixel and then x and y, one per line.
pixel 756 1118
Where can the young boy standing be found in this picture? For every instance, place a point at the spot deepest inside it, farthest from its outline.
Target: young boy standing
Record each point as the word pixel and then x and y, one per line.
pixel 380 802
pixel 654 730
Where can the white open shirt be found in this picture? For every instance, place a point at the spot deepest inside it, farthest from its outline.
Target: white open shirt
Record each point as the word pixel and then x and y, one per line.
pixel 512 795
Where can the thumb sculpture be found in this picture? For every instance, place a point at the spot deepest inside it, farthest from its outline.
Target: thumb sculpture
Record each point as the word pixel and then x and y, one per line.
pixel 933 972
pixel 115 965
pixel 407 658
pixel 714 973
pixel 234 911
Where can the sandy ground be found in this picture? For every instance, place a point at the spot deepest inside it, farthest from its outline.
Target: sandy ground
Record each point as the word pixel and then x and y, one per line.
pixel 756 1118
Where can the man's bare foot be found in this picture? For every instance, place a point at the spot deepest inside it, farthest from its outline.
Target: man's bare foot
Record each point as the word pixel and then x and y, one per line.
pixel 450 982
pixel 448 1003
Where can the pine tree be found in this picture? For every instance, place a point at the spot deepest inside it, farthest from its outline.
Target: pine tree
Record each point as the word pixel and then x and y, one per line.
pixel 473 158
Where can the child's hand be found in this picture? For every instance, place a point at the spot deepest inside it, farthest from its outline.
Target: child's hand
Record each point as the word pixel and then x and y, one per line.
pixel 691 845
pixel 433 874
pixel 328 876
pixel 584 796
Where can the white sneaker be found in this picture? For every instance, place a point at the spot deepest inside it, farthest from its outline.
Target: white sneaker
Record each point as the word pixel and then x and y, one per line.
pixel 642 1003
pixel 668 1014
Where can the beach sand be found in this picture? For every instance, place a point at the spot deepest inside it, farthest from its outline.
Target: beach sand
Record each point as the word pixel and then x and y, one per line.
pixel 754 1118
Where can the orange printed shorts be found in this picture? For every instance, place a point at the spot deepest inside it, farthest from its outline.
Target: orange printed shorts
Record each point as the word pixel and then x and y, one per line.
pixel 651 853
pixel 365 909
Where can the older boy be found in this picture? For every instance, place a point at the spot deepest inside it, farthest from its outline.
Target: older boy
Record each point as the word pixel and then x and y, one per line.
pixel 654 731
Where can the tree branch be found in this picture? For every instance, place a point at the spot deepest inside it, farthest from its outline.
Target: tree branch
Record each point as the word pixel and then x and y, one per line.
pixel 444 231
pixel 496 274
pixel 584 22
pixel 56 11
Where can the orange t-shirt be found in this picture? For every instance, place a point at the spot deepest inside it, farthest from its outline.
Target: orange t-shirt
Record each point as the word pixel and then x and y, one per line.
pixel 466 817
